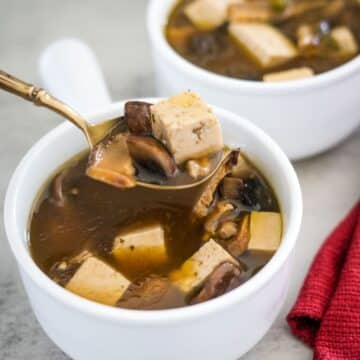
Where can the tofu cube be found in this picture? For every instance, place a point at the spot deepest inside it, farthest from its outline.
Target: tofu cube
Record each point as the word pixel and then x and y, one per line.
pixel 97 281
pixel 193 272
pixel 187 127
pixel 265 231
pixel 345 41
pixel 207 14
pixel 288 75
pixel 264 43
pixel 141 248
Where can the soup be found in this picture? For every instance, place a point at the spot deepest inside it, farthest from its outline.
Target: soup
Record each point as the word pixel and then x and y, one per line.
pixel 266 40
pixel 142 248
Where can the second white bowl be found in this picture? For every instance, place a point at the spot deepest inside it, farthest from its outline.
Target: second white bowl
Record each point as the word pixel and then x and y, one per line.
pixel 304 117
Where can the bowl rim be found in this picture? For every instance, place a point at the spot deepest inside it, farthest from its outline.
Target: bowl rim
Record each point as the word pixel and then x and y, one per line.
pixel 155 27
pixel 17 236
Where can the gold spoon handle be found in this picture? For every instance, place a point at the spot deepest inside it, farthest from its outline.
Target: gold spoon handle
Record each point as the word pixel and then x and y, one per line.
pixel 40 97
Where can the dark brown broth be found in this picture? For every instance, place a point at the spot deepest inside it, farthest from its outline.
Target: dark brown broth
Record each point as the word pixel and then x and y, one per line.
pixel 94 213
pixel 219 53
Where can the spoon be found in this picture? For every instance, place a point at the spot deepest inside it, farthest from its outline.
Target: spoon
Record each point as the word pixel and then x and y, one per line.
pixel 94 133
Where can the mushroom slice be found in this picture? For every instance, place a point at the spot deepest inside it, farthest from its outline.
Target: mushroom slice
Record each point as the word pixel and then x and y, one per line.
pixel 239 244
pixel 57 195
pixel 62 271
pixel 242 168
pixel 227 230
pixel 223 279
pixel 138 117
pixel 152 293
pixel 232 187
pixel 203 204
pixel 110 162
pixel 257 195
pixel 152 154
pixel 222 212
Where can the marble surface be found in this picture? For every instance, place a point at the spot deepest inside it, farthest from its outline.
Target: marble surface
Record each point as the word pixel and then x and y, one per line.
pixel 116 31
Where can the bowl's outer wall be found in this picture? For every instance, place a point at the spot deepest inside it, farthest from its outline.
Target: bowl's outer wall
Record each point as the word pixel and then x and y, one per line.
pixel 303 122
pixel 226 333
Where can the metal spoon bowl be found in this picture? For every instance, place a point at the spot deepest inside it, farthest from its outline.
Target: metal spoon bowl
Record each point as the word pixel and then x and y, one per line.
pixel 94 133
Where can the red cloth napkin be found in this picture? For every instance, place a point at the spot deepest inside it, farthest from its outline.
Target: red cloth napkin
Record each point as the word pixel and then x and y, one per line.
pixel 326 314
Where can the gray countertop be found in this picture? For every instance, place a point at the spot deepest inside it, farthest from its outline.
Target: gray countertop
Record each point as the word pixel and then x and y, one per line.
pixel 116 31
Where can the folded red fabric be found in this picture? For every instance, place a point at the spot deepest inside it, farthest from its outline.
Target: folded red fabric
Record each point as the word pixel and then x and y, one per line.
pixel 326 314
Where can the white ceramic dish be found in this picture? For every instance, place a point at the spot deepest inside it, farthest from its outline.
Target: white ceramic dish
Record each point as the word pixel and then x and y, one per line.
pixel 304 117
pixel 224 328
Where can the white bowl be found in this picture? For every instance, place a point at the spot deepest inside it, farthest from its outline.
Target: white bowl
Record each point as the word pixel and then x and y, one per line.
pixel 224 328
pixel 304 117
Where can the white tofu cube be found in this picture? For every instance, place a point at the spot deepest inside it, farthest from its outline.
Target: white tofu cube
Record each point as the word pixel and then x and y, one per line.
pixel 97 281
pixel 265 231
pixel 207 14
pixel 289 75
pixel 199 266
pixel 264 43
pixel 144 246
pixel 345 40
pixel 187 127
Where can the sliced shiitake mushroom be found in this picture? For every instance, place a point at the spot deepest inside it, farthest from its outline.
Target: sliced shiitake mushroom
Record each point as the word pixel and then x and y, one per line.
pixel 232 187
pixel 242 169
pixel 227 230
pixel 223 279
pixel 223 211
pixel 110 162
pixel 257 195
pixel 202 206
pixel 57 195
pixel 145 293
pixel 138 117
pixel 238 245
pixel 62 271
pixel 151 154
